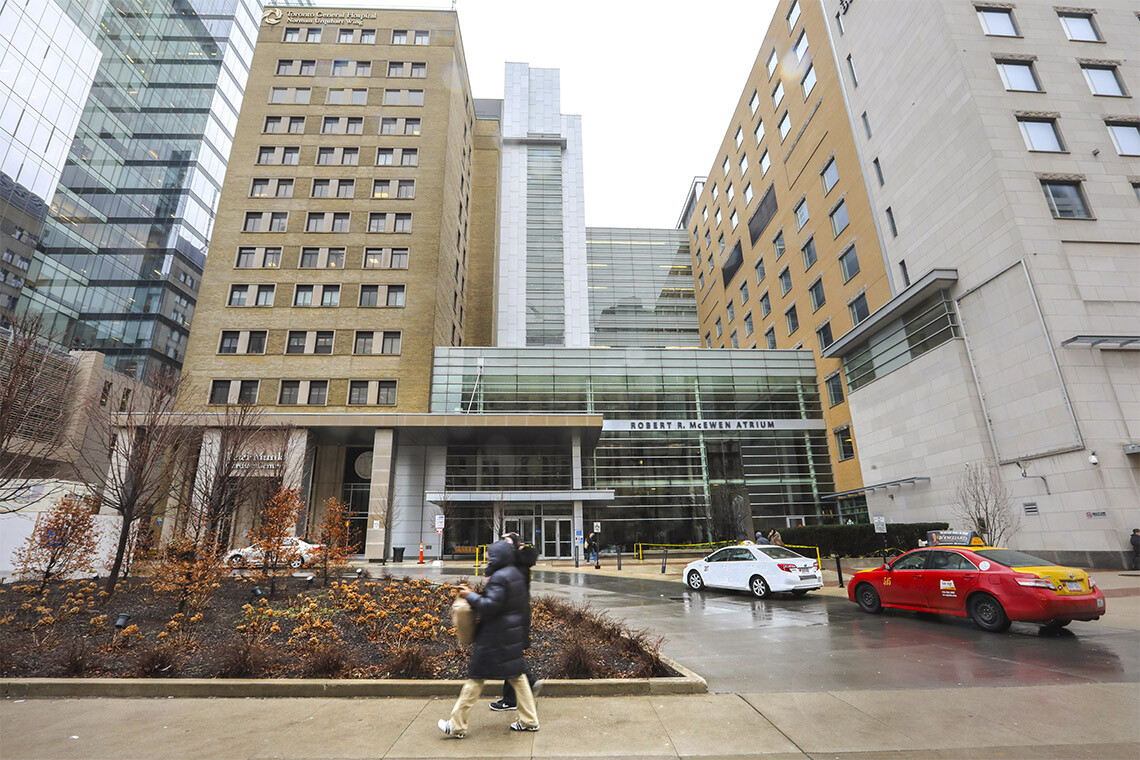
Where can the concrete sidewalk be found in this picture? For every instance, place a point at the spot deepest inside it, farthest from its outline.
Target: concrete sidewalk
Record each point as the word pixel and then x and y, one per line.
pixel 1060 722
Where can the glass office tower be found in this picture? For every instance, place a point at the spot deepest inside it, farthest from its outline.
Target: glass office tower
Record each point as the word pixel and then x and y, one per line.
pixel 641 288
pixel 120 257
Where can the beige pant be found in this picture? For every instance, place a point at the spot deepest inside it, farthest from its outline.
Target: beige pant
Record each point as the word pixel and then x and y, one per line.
pixel 470 692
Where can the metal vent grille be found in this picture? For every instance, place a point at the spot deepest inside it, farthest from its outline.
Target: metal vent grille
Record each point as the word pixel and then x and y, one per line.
pixel 1030 507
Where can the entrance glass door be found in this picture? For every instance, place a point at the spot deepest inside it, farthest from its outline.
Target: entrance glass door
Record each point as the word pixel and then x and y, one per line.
pixel 521 524
pixel 557 534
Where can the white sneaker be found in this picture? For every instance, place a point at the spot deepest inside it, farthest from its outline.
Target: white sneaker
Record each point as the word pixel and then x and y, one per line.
pixel 518 726
pixel 445 727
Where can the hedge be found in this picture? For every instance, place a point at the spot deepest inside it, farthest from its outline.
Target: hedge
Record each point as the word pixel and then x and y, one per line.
pixel 859 540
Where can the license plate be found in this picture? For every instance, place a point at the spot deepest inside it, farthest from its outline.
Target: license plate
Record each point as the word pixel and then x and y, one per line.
pixel 810 577
pixel 1100 603
pixel 1073 585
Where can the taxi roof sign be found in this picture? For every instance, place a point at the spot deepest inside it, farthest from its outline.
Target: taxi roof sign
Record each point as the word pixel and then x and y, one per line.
pixel 953 538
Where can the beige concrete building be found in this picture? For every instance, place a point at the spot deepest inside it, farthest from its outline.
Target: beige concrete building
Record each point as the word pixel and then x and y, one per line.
pixel 786 253
pixel 1004 143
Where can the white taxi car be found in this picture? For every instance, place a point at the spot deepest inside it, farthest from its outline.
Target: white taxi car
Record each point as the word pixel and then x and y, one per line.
pixel 298 551
pixel 759 569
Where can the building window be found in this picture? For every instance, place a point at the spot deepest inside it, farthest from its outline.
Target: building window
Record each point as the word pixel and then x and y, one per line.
pixel 770 337
pixel 386 393
pixel 802 214
pixel 238 295
pixel 395 296
pixel 849 263
pixel 1103 80
pixel 879 172
pixel 732 219
pixel 807 84
pixel 292 34
pixel 733 340
pixel 344 36
pixel 765 306
pixel 369 295
pixel 368 36
pixel 793 15
pixel 792 319
pixel 866 125
pixel 421 38
pixel 747 193
pixel 708 340
pixel 743 165
pixel 256 342
pixel 809 254
pixel 265 294
pixel 785 280
pixel 391 342
pixel 743 293
pixel 785 125
pixel 778 243
pixel 759 271
pixel 754 103
pixel 799 50
pixel 891 222
pixel 403 223
pixel 411 126
pixel 363 342
pixel 1040 134
pixel 220 392
pixel 303 295
pixel 324 342
pixel 1066 200
pixel 830 175
pixel 719 328
pixel 318 392
pixel 765 162
pixel 815 290
pixel 730 311
pixel 839 219
pixel 229 342
pixel 290 392
pixel 1079 27
pixel 851 68
pixel 357 392
pixel 377 222
pixel 823 334
pixel 759 132
pixel 748 324
pixel 771 63
pixel 858 309
pixel 701 280
pixel 997 22
pixel 905 274
pixel 398 259
pixel 834 389
pixel 1019 76
pixel 839 23
pixel 295 342
pixel 247 391
pixel 245 258
pixel 778 95
pixel 1125 136
pixel 739 138
pixel 844 443
pixel 716 216
pixel 399 36
pixel 330 295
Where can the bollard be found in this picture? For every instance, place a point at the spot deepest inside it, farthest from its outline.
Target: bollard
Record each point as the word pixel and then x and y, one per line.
pixel 839 570
pixel 421 553
pixel 619 558
pixel 575 556
pixel 664 559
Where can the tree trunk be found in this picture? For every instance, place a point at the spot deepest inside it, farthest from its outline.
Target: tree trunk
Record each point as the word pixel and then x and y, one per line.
pixel 124 537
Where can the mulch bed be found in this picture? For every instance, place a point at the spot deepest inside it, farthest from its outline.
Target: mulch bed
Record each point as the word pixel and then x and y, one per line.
pixel 381 627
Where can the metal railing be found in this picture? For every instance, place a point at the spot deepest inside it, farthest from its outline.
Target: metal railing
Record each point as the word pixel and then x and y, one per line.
pixel 639 548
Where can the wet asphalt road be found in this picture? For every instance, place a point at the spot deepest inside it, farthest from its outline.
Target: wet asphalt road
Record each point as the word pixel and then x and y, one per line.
pixel 822 643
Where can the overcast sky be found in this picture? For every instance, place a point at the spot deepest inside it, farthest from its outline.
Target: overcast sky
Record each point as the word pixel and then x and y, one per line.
pixel 655 83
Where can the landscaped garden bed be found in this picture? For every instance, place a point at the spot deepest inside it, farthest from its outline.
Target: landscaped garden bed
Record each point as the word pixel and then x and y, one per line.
pixel 381 628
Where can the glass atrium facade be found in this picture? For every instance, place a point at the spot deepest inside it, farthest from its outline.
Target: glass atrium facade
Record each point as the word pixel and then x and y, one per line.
pixel 696 445
pixel 641 288
pixel 545 280
pixel 121 253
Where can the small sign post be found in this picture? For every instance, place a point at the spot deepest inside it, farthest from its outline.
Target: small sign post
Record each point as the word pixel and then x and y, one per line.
pixel 881 529
pixel 597 527
pixel 439 523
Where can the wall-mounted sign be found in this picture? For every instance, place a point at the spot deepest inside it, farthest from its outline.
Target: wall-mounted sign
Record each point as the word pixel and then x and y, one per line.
pixel 363 465
pixel 274 16
pixel 258 461
pixel 844 5
pixel 1096 515
pixel 682 424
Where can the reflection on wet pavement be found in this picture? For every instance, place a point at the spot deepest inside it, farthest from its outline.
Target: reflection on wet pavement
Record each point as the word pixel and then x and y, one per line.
pixel 816 643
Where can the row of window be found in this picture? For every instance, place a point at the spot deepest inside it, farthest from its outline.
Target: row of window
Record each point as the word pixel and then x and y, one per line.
pixel 1079 25
pixel 1020 75
pixel 365 342
pixel 344 68
pixel 270 187
pixel 305 392
pixel 326 221
pixel 262 257
pixel 1043 133
pixel 316 295
pixel 345 96
pixel 11 257
pixel 290 155
pixel 356 36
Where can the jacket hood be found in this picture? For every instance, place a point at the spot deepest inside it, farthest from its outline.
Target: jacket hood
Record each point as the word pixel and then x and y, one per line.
pixel 499 555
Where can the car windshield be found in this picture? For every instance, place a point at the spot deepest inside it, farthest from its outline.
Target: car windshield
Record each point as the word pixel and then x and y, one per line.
pixel 1010 558
pixel 778 552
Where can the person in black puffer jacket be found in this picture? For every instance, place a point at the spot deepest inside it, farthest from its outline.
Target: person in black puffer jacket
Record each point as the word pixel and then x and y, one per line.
pixel 526 557
pixel 503 610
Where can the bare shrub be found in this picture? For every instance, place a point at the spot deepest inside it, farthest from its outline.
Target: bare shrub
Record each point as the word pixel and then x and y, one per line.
pixel 327 660
pixel 162 661
pixel 575 661
pixel 240 658
pixel 409 662
pixel 76 659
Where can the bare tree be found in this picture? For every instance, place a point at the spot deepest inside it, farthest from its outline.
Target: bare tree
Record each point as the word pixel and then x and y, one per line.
pixel 143 435
pixel 34 382
pixel 982 501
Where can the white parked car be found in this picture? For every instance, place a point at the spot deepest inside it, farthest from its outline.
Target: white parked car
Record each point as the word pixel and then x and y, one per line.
pixel 759 569
pixel 251 555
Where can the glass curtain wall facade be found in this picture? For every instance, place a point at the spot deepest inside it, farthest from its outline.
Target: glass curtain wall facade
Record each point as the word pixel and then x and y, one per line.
pixel 121 254
pixel 545 280
pixel 641 288
pixel 696 445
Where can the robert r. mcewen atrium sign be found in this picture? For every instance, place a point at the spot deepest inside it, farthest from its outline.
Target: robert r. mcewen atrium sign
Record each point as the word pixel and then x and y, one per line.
pixel 698 424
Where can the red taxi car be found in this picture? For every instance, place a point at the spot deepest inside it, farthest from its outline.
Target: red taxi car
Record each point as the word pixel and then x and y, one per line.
pixel 990 585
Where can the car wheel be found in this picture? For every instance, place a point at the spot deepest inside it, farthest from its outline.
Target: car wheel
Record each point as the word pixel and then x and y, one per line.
pixel 695 581
pixel 237 561
pixel 297 562
pixel 988 614
pixel 799 591
pixel 868 598
pixel 759 587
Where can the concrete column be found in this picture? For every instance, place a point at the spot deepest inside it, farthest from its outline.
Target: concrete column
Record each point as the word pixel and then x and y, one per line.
pixel 296 454
pixel 207 465
pixel 576 480
pixel 379 502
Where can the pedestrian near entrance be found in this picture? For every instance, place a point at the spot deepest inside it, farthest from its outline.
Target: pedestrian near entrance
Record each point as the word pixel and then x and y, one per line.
pixel 502 608
pixel 775 538
pixel 592 548
pixel 526 557
pixel 1135 539
pixel 760 539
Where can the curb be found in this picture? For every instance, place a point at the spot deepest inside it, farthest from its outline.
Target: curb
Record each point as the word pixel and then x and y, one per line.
pixel 143 688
